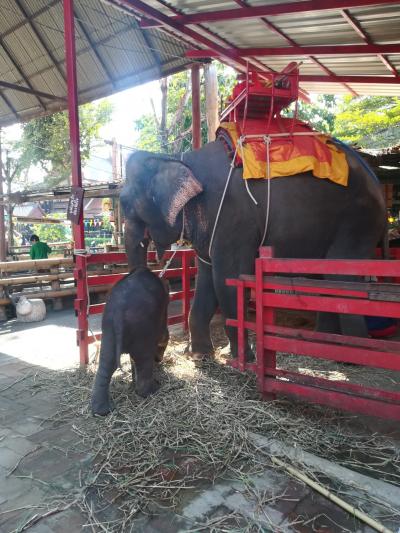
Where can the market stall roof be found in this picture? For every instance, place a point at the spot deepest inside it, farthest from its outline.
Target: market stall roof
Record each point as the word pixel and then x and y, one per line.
pixel 345 46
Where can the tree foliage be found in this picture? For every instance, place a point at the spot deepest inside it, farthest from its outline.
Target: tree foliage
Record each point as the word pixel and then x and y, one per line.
pixel 170 130
pixel 45 140
pixel 52 232
pixel 320 114
pixel 369 121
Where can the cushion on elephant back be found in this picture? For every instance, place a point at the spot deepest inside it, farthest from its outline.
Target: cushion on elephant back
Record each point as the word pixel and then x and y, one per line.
pixel 293 148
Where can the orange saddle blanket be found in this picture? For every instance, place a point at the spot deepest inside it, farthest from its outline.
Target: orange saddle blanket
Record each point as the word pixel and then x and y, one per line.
pixel 302 151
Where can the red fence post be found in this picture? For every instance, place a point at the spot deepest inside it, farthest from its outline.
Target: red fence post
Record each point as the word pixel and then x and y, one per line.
pixel 186 263
pixel 78 229
pixel 81 308
pixel 240 313
pixel 266 359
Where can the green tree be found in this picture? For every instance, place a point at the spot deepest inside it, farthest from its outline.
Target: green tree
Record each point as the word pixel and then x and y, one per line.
pixel 45 140
pixel 320 114
pixel 369 121
pixel 170 131
pixel 15 169
pixel 52 232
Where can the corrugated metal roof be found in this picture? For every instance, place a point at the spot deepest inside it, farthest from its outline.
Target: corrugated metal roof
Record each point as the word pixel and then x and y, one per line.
pixel 114 52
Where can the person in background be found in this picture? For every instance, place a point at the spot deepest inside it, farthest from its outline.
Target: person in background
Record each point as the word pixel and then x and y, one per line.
pixel 39 250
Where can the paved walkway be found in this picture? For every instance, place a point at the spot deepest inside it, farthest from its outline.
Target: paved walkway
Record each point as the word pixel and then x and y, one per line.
pixel 35 464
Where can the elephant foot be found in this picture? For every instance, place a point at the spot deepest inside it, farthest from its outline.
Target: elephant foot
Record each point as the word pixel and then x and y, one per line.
pixel 147 389
pixel 199 356
pixel 102 408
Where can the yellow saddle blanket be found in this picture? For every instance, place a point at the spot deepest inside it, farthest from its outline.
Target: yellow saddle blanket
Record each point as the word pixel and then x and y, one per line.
pixel 288 155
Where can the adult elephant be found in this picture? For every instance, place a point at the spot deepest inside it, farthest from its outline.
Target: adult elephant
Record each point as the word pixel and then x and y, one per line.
pixel 308 218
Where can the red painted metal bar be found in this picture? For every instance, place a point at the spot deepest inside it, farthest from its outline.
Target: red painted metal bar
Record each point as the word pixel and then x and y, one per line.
pixel 78 230
pixel 240 313
pixel 335 385
pixel 348 79
pixel 339 400
pixel 194 36
pixel 334 305
pixel 187 293
pixel 334 338
pixel 349 49
pixel 196 118
pixel 185 274
pixel 275 9
pixel 366 38
pixel 335 352
pixel 271 338
pixel 152 13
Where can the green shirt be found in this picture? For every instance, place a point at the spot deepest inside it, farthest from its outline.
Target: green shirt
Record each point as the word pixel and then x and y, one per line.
pixel 39 250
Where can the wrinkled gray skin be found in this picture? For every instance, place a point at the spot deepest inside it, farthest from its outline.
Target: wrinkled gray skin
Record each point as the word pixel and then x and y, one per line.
pixel 134 322
pixel 309 218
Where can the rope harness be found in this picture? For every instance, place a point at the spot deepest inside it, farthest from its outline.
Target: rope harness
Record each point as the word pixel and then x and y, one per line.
pixel 239 145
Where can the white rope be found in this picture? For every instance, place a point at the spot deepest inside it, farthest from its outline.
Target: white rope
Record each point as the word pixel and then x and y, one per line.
pixel 249 192
pixel 204 260
pixel 228 179
pixel 245 181
pixel 267 140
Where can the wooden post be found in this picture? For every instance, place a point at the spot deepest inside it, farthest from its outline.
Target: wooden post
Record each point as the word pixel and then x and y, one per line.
pixel 211 90
pixel 196 118
pixel 2 224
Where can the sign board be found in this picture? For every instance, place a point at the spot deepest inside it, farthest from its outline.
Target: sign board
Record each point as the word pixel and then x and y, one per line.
pixel 75 204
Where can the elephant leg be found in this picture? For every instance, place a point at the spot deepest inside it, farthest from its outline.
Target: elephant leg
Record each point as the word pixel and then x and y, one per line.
pixel 203 309
pixel 100 402
pixel 347 324
pixel 227 298
pixel 162 345
pixel 144 356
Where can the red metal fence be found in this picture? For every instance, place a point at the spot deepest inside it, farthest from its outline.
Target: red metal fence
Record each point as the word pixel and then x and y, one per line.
pixel 344 297
pixel 84 280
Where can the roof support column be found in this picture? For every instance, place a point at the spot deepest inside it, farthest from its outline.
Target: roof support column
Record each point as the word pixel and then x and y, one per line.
pixel 196 117
pixel 2 223
pixel 81 302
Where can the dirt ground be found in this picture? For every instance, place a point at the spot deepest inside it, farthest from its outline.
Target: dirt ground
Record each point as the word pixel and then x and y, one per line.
pixel 182 460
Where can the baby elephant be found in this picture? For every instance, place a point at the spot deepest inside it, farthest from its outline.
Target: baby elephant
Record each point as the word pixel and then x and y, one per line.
pixel 134 322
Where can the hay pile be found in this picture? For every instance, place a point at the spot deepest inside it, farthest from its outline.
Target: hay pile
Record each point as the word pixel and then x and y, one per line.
pixel 150 453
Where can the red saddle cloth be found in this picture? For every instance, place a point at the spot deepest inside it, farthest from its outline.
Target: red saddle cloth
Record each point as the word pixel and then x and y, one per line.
pixel 293 148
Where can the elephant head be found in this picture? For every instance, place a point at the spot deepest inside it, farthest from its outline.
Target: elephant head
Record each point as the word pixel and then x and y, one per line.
pixel 156 190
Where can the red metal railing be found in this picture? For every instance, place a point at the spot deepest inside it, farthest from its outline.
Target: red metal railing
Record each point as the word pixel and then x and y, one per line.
pixel 344 297
pixel 82 305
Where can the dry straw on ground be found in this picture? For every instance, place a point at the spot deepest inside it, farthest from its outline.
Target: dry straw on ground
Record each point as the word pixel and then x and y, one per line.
pixel 150 453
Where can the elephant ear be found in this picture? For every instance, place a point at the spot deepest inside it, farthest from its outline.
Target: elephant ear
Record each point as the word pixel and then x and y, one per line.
pixel 172 186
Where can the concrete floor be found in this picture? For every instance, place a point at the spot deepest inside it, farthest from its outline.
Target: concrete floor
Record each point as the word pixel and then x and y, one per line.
pixel 35 463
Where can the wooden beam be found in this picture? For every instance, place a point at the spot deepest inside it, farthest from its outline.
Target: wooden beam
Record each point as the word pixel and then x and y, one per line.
pixel 28 90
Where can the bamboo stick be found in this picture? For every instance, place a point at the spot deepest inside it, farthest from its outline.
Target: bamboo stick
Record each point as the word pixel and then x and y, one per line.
pixel 381 490
pixel 57 293
pixel 332 497
pixel 17 266
pixel 36 279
